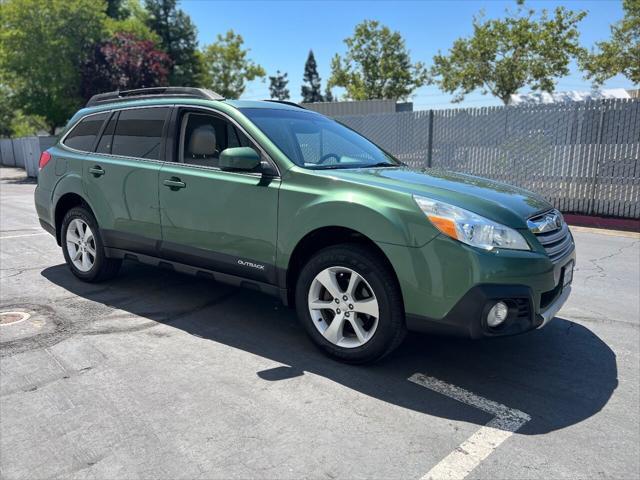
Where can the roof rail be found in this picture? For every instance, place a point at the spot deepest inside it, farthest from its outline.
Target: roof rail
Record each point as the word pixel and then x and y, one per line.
pixel 145 93
pixel 285 102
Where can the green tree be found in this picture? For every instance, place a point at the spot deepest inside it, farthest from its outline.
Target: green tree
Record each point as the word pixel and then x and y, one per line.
pixel 131 26
pixel 312 92
pixel 7 111
pixel 13 121
pixel 117 9
pixel 504 55
pixel 130 18
pixel 178 37
pixel 26 125
pixel 377 65
pixel 227 66
pixel 621 54
pixel 328 96
pixel 43 44
pixel 278 86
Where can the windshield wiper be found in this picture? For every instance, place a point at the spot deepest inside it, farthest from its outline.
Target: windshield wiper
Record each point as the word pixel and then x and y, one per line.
pixel 380 164
pixel 328 167
pixel 347 166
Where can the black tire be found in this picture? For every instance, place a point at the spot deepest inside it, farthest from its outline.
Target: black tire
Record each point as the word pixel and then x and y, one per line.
pixel 103 268
pixel 391 328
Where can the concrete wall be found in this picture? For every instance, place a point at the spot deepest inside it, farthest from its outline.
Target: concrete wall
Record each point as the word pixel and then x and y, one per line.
pixel 24 152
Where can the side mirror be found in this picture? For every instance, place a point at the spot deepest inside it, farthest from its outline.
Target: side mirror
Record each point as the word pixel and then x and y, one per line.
pixel 239 158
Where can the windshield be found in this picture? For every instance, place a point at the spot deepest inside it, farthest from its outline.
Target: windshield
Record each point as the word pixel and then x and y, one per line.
pixel 313 141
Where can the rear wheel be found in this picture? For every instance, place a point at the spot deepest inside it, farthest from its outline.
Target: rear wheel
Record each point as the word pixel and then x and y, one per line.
pixel 83 248
pixel 350 304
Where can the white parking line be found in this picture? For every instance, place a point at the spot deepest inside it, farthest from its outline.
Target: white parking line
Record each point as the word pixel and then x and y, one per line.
pixel 26 235
pixel 470 453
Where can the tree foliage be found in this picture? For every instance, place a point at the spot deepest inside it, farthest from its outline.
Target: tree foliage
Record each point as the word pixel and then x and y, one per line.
pixel 43 44
pixel 312 92
pixel 228 67
pixel 122 63
pixel 13 121
pixel 620 54
pixel 328 96
pixel 6 112
pixel 377 65
pixel 130 17
pixel 278 86
pixel 178 37
pixel 504 55
pixel 117 9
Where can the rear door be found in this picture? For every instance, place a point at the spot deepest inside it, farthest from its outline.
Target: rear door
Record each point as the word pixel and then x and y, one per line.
pixel 220 220
pixel 121 180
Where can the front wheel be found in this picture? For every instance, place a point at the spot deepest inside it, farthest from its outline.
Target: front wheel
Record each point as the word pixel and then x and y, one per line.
pixel 83 248
pixel 350 304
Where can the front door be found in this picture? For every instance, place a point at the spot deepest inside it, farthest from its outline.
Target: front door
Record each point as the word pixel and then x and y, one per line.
pixel 121 179
pixel 219 220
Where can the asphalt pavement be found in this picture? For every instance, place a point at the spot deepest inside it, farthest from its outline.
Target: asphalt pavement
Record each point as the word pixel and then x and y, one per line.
pixel 165 376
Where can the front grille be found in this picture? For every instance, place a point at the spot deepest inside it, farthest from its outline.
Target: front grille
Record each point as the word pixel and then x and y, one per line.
pixel 557 243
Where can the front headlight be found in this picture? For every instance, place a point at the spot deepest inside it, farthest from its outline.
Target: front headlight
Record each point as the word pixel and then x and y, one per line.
pixel 470 228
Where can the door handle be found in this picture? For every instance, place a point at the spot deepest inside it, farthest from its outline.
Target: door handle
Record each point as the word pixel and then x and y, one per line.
pixel 96 171
pixel 174 183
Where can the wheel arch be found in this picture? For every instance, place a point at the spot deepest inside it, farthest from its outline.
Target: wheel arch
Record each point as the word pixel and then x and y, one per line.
pixel 324 237
pixel 65 203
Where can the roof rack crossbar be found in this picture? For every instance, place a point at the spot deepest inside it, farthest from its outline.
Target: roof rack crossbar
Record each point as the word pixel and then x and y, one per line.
pixel 152 92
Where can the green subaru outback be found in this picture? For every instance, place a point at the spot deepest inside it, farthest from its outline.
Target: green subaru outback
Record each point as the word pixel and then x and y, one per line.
pixel 270 196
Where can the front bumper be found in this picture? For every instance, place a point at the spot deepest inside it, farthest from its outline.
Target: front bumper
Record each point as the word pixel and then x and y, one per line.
pixel 468 317
pixel 555 307
pixel 449 287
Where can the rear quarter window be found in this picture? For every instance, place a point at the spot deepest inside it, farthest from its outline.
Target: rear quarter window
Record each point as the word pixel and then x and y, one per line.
pixel 83 135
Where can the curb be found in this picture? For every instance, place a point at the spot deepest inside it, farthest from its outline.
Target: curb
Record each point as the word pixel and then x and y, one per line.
pixel 608 223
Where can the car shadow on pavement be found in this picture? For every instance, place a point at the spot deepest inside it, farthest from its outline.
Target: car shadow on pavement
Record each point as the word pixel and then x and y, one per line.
pixel 19 180
pixel 560 375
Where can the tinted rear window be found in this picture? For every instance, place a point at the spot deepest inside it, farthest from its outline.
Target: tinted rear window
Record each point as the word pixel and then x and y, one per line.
pixel 138 132
pixel 83 135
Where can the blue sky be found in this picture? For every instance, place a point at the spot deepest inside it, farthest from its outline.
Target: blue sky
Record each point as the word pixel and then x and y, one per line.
pixel 280 34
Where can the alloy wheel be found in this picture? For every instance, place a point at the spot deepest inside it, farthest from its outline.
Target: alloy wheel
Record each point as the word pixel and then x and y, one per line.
pixel 343 307
pixel 81 245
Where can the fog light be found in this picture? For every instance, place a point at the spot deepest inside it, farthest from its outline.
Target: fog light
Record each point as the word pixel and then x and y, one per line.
pixel 497 314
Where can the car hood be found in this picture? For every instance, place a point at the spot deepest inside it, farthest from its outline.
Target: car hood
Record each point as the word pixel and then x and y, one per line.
pixel 497 201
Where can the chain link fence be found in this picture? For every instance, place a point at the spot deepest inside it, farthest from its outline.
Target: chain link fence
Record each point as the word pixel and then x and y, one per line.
pixel 584 156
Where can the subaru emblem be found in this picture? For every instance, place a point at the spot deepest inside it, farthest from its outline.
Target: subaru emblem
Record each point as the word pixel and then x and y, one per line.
pixel 547 223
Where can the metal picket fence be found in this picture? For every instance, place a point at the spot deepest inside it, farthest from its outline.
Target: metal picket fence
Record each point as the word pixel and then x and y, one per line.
pixel 584 157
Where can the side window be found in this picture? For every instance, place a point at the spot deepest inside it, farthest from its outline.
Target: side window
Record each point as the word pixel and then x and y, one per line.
pixel 204 136
pixel 83 135
pixel 104 145
pixel 138 133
